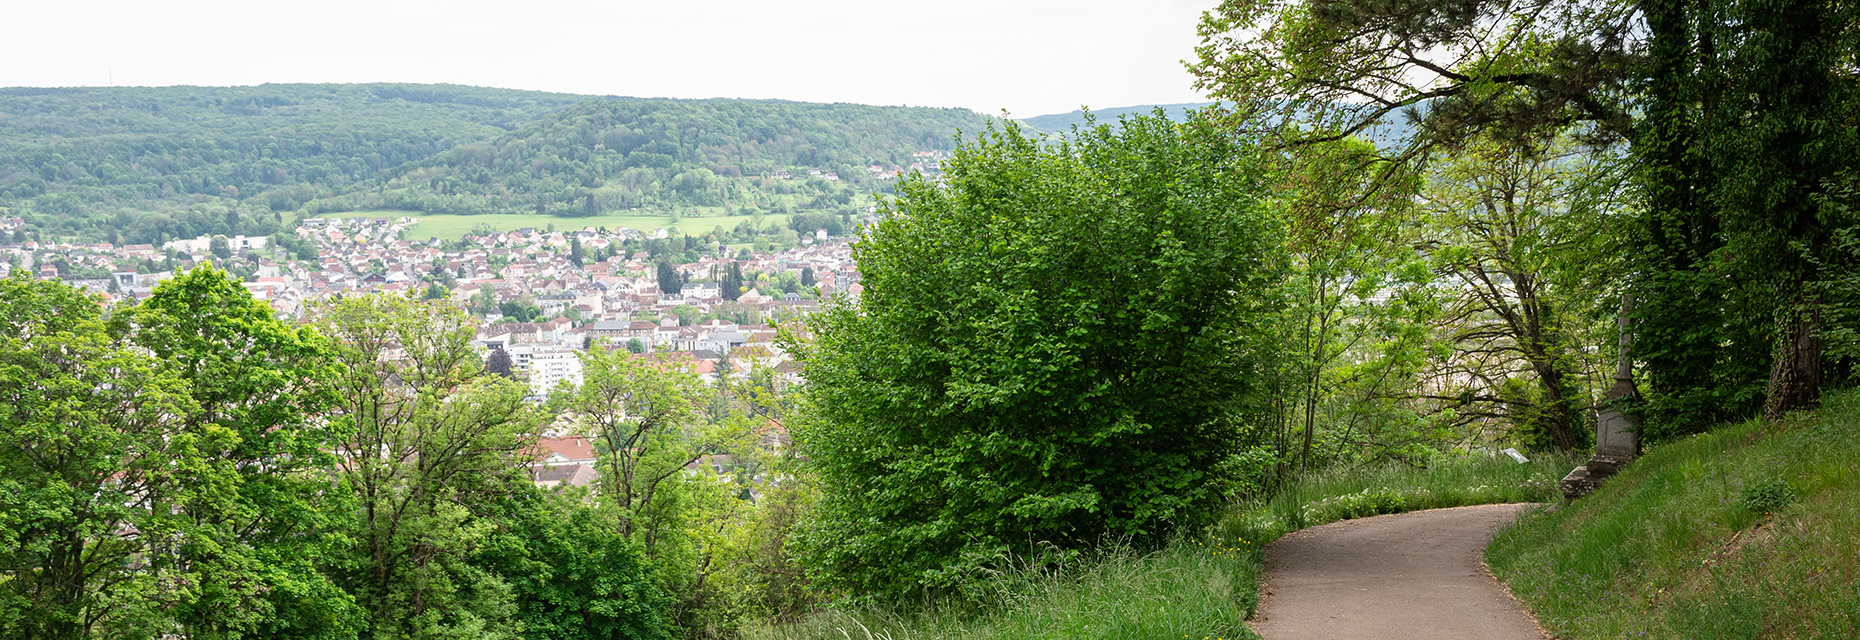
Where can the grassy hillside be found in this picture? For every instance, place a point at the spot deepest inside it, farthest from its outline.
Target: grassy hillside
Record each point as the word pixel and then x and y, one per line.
pixel 147 164
pixel 605 156
pixel 1751 531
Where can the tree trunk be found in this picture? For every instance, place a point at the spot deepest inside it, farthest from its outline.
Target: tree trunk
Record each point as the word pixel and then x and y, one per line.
pixel 1795 376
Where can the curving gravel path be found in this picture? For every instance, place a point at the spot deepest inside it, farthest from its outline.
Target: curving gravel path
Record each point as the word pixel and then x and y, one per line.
pixel 1409 575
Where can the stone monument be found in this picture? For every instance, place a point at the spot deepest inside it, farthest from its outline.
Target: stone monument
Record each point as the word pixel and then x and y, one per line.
pixel 1617 437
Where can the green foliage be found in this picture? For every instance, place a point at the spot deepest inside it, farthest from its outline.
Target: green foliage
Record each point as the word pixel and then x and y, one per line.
pixel 644 419
pixel 516 311
pixel 264 381
pixel 93 438
pixel 1685 552
pixel 1767 497
pixel 1525 246
pixel 1743 139
pixel 669 280
pixel 96 157
pixel 441 440
pixel 1054 346
pixel 572 573
pixel 1362 504
pixel 186 420
pixel 606 155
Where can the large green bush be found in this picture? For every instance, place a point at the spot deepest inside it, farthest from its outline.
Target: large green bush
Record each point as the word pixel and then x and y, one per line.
pixel 1055 346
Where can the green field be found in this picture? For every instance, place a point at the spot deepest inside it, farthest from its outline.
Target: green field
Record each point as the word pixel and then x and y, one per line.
pixel 454 227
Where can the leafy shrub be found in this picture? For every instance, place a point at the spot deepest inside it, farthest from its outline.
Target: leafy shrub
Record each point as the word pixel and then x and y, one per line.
pixel 1052 347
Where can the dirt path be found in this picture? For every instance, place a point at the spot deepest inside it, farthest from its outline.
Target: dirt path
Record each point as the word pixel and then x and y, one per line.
pixel 1409 575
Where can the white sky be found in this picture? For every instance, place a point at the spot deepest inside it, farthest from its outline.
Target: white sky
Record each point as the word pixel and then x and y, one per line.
pixel 1031 57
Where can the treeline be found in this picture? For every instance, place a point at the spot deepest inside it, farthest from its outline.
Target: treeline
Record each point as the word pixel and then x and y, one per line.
pixel 80 162
pixel 191 467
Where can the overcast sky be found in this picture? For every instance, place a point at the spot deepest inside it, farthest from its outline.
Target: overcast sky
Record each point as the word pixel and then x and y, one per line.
pixel 1031 57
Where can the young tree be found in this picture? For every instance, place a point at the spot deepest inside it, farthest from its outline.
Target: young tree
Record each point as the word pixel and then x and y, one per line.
pixel 645 418
pixel 1056 344
pixel 428 438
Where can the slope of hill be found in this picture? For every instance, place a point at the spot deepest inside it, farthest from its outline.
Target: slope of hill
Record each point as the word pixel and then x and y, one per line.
pixel 1750 531
pixel 601 156
pixel 145 164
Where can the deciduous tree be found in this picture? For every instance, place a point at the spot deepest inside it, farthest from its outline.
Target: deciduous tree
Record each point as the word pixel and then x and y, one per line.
pixel 427 439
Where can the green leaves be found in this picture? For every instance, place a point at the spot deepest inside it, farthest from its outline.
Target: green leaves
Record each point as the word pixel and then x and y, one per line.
pixel 1051 348
pixel 137 440
pixel 427 440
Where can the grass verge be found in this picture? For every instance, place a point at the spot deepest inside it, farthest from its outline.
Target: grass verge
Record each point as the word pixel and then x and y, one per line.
pixel 1751 531
pixel 1193 588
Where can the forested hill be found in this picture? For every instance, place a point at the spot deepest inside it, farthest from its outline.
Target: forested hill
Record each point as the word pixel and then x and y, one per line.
pixel 601 156
pixel 146 164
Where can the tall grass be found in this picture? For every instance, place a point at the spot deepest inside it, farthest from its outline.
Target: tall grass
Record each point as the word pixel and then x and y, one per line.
pixel 1751 531
pixel 1180 591
pixel 1199 586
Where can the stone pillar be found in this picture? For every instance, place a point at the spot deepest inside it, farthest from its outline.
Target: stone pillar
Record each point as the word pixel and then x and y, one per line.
pixel 1617 436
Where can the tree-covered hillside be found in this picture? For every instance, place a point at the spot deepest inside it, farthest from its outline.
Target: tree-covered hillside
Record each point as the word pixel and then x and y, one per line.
pixel 141 164
pixel 601 156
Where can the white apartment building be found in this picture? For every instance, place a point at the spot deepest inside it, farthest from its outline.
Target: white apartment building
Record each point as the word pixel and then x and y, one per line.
pixel 549 366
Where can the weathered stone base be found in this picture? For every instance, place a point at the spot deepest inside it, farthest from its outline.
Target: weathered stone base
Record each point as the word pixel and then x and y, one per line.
pixel 1586 478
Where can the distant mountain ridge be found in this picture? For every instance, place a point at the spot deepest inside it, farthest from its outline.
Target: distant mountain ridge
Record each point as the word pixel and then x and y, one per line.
pixel 1388 136
pixel 1063 122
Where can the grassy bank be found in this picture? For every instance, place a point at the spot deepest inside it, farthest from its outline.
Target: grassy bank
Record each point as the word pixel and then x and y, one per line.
pixel 1198 587
pixel 1752 531
pixel 454 227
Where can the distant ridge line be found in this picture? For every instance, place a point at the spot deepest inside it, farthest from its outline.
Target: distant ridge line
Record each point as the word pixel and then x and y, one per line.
pixel 1063 122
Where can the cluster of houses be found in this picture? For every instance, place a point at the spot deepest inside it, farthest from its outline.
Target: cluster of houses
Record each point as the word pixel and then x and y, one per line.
pixel 614 303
